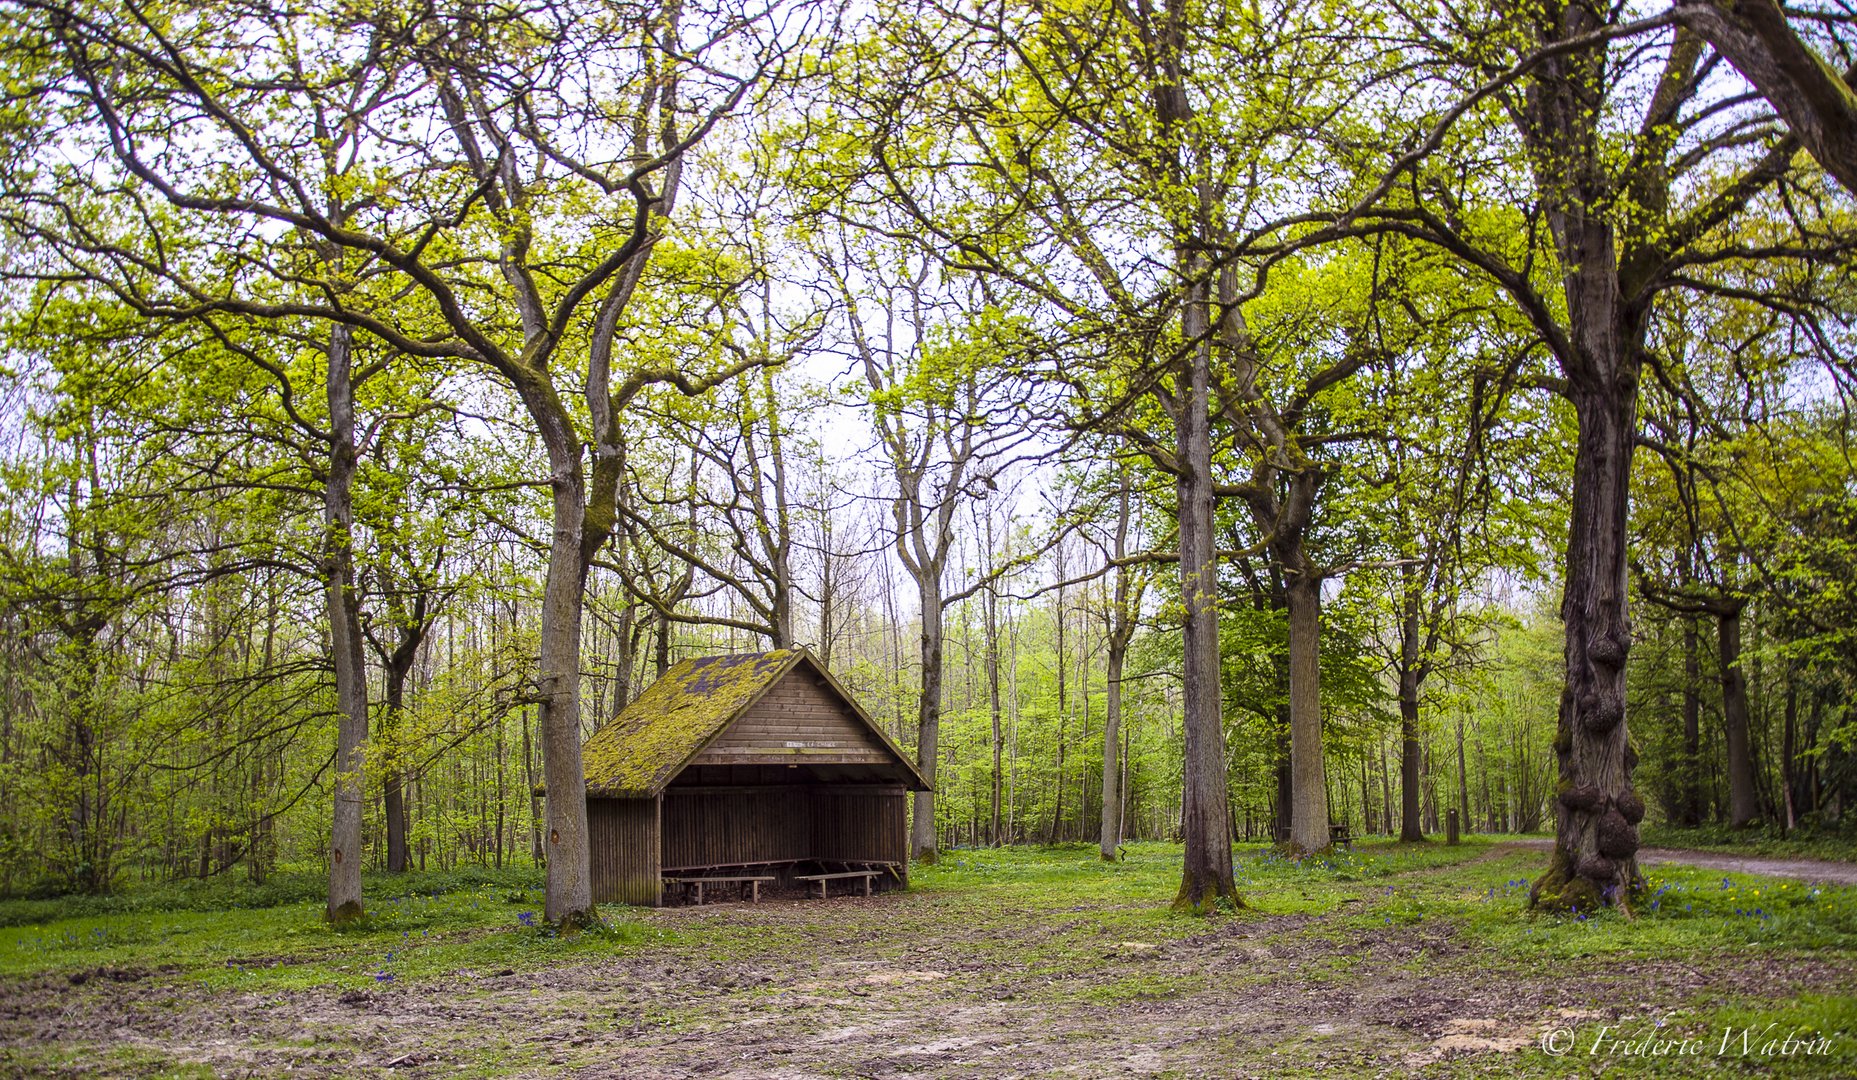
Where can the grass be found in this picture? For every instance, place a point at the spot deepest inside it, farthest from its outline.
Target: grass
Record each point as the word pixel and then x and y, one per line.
pixel 1051 932
pixel 418 925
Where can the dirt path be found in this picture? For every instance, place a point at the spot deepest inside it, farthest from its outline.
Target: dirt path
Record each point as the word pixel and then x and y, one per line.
pixel 1814 870
pixel 927 984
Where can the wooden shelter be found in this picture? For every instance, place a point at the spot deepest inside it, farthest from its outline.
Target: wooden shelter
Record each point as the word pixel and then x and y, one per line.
pixel 750 763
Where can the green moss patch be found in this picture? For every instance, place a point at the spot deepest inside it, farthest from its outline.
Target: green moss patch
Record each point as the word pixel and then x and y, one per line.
pixel 647 744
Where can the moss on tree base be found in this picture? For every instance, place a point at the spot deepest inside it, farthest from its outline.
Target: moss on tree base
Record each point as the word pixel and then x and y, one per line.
pixel 345 914
pixel 1561 890
pixel 1207 900
pixel 572 923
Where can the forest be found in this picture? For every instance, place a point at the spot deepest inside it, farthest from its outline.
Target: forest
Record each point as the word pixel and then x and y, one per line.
pixel 1175 422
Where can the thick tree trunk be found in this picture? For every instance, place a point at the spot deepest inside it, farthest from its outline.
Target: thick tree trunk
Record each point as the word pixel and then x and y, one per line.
pixel 1206 877
pixel 394 793
pixel 1743 799
pixel 1597 829
pixel 569 895
pixel 1409 830
pixel 1308 773
pixel 351 688
pixel 922 839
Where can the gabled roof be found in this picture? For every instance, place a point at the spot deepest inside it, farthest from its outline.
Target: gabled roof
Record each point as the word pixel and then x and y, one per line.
pixel 640 751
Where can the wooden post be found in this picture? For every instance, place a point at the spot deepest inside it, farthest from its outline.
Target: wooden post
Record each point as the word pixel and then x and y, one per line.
pixel 1450 826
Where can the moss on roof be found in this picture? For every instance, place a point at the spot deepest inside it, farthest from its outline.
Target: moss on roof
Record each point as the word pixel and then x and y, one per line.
pixel 646 745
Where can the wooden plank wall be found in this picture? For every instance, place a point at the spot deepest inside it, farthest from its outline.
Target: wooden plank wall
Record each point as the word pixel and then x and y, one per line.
pixel 799 719
pixel 623 835
pixel 859 824
pixel 722 828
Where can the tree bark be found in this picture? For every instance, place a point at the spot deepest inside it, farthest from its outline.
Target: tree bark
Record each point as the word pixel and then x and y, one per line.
pixel 1813 100
pixel 1690 810
pixel 1463 778
pixel 351 688
pixel 568 899
pixel 1409 830
pixel 922 839
pixel 1743 799
pixel 1596 840
pixel 1410 675
pixel 1308 773
pixel 993 706
pixel 1206 876
pixel 1121 631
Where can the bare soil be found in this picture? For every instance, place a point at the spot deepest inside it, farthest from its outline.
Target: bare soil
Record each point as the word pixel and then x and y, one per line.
pixel 1819 871
pixel 906 985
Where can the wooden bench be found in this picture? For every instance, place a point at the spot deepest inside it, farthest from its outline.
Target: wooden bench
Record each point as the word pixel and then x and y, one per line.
pixel 749 883
pixel 821 879
pixel 1339 835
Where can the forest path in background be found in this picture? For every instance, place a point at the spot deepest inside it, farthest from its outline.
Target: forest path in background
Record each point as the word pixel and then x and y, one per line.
pixel 1822 871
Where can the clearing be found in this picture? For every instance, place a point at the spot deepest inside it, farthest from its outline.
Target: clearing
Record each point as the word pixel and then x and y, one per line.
pixel 1391 960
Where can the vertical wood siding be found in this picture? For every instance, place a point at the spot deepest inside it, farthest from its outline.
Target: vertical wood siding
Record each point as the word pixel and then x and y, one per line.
pixel 722 828
pixel 623 835
pixel 858 824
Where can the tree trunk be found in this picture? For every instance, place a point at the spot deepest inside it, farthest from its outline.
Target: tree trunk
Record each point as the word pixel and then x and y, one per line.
pixel 1121 632
pixel 1308 775
pixel 1111 837
pixel 1206 876
pixel 1690 810
pixel 569 896
pixel 922 843
pixel 1789 740
pixel 393 796
pixel 998 742
pixel 1409 830
pixel 351 688
pixel 1463 779
pixel 1743 800
pixel 1597 824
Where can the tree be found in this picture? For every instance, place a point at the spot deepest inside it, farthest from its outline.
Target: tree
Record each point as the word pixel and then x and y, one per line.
pixel 528 144
pixel 1620 238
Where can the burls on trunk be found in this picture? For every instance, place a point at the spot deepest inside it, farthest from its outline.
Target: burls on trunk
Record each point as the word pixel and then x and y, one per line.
pixel 1594 859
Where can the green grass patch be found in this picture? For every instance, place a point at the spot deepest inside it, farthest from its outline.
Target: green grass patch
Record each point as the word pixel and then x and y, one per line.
pixel 465 922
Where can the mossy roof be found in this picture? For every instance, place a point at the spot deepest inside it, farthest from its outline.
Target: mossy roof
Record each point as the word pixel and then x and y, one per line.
pixel 643 749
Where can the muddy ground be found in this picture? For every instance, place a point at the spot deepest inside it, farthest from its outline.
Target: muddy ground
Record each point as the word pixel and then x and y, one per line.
pixel 913 985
